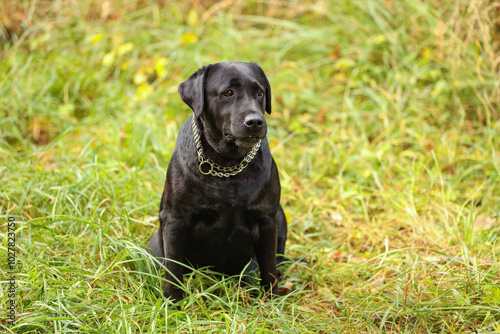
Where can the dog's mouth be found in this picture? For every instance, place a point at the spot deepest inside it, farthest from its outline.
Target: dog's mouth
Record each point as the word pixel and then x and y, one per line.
pixel 243 141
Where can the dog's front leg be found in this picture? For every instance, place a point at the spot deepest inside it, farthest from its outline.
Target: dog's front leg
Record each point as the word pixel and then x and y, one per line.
pixel 266 254
pixel 174 236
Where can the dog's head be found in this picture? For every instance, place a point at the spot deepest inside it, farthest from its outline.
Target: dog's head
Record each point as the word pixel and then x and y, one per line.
pixel 230 98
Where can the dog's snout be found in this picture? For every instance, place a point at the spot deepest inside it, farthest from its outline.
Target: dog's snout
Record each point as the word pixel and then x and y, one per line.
pixel 254 121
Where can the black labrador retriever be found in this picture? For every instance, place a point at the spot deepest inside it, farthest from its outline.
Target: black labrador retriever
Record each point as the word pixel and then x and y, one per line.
pixel 220 206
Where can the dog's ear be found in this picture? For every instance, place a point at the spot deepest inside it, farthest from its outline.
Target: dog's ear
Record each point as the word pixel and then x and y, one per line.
pixel 192 91
pixel 266 85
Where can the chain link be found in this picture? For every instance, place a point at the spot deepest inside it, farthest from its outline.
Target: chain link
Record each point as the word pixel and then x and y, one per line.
pixel 216 169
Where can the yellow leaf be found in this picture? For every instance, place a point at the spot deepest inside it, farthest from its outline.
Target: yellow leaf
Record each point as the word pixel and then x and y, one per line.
pixel 125 48
pixel 192 17
pixel 160 63
pixel 140 78
pixel 366 173
pixel 95 39
pixel 143 92
pixel 379 39
pixel 188 38
pixel 161 72
pixel 108 59
pixel 148 69
pixel 273 143
pixel 426 53
pixel 125 65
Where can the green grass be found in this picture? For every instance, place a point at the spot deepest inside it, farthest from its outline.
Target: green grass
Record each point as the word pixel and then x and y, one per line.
pixel 385 129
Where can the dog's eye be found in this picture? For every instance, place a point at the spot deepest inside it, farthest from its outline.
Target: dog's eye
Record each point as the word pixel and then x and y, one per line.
pixel 228 93
pixel 260 93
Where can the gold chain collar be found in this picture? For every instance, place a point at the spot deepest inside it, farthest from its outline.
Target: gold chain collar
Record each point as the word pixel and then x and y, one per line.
pixel 216 169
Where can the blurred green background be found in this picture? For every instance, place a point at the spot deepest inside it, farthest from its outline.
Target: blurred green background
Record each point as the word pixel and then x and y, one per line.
pixel 385 128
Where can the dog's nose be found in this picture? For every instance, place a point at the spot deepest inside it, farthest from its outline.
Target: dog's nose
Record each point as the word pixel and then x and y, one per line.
pixel 254 121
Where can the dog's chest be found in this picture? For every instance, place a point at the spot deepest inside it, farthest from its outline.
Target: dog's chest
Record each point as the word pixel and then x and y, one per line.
pixel 226 225
pixel 224 239
pixel 224 196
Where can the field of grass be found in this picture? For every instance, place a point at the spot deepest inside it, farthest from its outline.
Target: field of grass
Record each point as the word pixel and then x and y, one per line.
pixel 385 128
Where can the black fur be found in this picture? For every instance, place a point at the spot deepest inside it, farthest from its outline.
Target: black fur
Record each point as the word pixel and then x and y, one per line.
pixel 223 222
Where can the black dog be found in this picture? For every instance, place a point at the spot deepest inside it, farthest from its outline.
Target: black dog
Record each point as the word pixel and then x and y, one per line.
pixel 220 206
